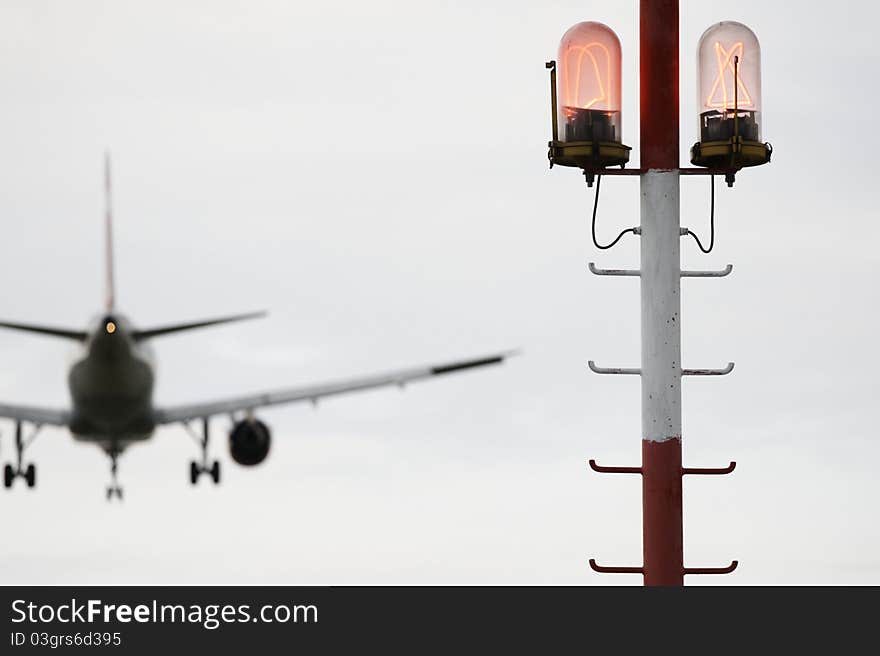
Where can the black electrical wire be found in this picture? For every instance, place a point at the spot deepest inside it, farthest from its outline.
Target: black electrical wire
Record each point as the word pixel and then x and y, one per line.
pixel 711 224
pixel 595 207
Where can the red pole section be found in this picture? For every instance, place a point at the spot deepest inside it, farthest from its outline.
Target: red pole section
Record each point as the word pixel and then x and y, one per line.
pixel 663 538
pixel 662 533
pixel 658 64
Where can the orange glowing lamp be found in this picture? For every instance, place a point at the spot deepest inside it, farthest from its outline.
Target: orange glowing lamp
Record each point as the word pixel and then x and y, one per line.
pixel 729 99
pixel 585 90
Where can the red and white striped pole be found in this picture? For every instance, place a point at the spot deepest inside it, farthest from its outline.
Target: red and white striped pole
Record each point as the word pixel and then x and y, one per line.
pixel 660 278
pixel 660 295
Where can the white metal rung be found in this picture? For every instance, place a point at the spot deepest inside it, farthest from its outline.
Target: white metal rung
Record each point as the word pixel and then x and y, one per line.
pixel 708 274
pixel 708 372
pixel 614 272
pixel 613 370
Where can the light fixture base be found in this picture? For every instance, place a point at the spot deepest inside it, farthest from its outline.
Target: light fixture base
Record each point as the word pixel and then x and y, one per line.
pixel 588 155
pixel 731 154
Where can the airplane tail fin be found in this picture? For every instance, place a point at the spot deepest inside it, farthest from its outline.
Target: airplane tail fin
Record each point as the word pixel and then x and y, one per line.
pixel 110 289
pixel 110 282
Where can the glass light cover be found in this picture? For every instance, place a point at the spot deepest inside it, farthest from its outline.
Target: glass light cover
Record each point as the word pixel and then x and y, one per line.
pixel 729 89
pixel 588 87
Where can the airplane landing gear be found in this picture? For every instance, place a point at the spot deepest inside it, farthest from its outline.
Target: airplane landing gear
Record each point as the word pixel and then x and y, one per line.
pixel 29 473
pixel 196 468
pixel 114 489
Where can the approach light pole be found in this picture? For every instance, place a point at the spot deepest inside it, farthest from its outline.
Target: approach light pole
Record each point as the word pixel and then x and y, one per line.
pixel 586 102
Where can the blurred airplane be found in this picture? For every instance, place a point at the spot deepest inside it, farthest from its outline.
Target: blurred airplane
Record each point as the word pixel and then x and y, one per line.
pixel 111 388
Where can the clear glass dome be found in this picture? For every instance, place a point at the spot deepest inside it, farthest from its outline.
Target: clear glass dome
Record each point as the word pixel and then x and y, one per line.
pixel 729 90
pixel 588 69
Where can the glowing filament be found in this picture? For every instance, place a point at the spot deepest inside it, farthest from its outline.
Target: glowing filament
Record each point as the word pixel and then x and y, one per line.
pixel 110 327
pixel 725 60
pixel 603 88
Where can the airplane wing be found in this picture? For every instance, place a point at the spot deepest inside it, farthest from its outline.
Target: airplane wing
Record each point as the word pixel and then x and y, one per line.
pixel 40 416
pixel 312 393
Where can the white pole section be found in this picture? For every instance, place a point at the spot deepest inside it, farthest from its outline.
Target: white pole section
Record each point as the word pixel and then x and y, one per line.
pixel 661 306
pixel 663 535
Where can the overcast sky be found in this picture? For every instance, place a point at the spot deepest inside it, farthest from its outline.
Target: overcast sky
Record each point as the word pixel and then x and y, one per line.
pixel 375 175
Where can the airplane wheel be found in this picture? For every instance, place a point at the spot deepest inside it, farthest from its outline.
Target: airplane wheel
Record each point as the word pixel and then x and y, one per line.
pixel 109 493
pixel 193 472
pixel 8 476
pixel 215 472
pixel 30 475
pixel 119 493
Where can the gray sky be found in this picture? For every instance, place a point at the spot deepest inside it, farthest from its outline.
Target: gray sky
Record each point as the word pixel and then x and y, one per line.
pixel 375 175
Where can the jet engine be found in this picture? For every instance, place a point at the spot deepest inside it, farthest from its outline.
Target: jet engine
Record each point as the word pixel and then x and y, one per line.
pixel 249 442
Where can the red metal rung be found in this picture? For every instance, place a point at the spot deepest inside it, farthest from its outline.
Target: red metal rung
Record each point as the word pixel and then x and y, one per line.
pixel 717 471
pixel 615 570
pixel 614 470
pixel 711 570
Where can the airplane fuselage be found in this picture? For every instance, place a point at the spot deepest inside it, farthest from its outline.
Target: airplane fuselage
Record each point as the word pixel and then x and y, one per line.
pixel 111 387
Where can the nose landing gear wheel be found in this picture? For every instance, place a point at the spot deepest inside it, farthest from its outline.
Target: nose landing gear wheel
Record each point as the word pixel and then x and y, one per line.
pixel 194 472
pixel 114 489
pixel 215 472
pixel 8 476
